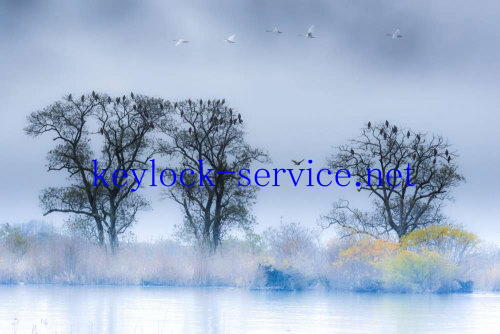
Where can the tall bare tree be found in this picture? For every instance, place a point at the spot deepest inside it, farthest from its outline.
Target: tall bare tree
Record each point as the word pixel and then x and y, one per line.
pixel 378 159
pixel 121 129
pixel 213 133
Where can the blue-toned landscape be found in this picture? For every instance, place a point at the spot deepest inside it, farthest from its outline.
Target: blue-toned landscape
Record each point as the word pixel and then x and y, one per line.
pixel 260 166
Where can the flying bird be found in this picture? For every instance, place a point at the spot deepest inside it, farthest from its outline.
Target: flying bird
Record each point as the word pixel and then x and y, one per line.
pixel 230 39
pixel 275 31
pixel 395 34
pixel 309 33
pixel 180 41
pixel 297 163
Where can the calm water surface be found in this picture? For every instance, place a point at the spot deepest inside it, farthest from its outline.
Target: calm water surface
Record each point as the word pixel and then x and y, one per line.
pixel 104 309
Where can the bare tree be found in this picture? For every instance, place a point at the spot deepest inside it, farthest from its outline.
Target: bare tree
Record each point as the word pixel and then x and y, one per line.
pixel 121 127
pixel 210 132
pixel 408 175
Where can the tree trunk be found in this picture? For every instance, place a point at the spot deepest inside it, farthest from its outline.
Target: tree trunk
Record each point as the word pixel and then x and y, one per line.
pixel 100 233
pixel 113 241
pixel 112 235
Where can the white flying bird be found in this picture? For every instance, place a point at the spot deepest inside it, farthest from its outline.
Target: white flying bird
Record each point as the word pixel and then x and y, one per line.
pixel 230 39
pixel 180 41
pixel 309 33
pixel 395 34
pixel 275 31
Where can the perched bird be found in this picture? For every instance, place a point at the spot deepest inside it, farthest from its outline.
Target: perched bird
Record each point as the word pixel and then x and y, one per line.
pixel 418 137
pixel 297 163
pixel 275 31
pixel 70 97
pixel 180 41
pixel 395 129
pixel 309 33
pixel 352 151
pixel 449 158
pixel 395 34
pixel 435 152
pixel 408 134
pixel 446 152
pixel 387 123
pixel 369 125
pixel 230 39
pixel 190 130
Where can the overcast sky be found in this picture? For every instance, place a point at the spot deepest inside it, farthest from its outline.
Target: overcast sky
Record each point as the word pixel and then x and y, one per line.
pixel 300 97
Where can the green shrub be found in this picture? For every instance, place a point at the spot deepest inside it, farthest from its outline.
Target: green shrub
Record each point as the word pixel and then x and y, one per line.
pixel 418 272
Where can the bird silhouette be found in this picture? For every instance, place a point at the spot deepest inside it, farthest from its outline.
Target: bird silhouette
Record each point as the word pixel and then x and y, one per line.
pixel 275 30
pixel 230 39
pixel 297 163
pixel 369 125
pixel 180 41
pixel 309 33
pixel 408 134
pixel 387 124
pixel 395 34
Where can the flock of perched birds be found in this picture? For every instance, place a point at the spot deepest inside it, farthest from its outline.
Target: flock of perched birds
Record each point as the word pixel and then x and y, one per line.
pixel 309 34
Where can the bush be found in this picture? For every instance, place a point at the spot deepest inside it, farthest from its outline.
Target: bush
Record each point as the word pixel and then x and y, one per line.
pixel 358 267
pixel 418 272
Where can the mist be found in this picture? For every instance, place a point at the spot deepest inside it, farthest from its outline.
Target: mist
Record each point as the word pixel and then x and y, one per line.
pixel 300 98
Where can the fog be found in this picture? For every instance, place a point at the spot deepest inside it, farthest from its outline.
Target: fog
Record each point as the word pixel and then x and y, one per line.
pixel 300 98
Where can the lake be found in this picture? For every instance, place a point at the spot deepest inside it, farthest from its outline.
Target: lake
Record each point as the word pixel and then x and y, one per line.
pixel 126 309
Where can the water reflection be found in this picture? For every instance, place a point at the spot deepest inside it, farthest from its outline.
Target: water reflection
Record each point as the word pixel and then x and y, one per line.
pixel 83 309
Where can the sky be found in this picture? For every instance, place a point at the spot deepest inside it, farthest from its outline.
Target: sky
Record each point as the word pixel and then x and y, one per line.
pixel 300 97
